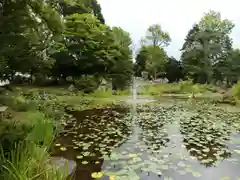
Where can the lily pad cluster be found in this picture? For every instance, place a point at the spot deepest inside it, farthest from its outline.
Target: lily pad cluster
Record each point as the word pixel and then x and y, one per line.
pixel 91 134
pixel 207 134
pixel 152 142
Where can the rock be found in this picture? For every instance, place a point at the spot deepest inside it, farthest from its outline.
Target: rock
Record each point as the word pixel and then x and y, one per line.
pixel 71 87
pixel 64 164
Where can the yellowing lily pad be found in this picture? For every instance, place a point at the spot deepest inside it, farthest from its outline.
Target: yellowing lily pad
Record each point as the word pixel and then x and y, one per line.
pixel 132 155
pixel 58 145
pixel 111 178
pixel 63 148
pixel 97 175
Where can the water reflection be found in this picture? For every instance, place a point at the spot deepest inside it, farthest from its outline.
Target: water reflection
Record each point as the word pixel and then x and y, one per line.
pixel 94 134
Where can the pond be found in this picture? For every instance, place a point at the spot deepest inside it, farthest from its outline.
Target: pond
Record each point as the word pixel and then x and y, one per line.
pixel 153 142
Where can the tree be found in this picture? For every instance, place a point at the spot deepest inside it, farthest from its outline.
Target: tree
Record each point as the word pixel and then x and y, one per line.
pixel 207 44
pixel 151 59
pixel 25 27
pixel 156 60
pixel 140 63
pixel 174 70
pixel 70 7
pixel 229 68
pixel 97 11
pixel 89 47
pixel 123 67
pixel 155 36
pixel 152 55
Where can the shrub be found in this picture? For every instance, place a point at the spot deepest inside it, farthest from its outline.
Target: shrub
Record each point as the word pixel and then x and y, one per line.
pixel 236 90
pixel 29 158
pixel 21 104
pixel 87 84
pixel 12 133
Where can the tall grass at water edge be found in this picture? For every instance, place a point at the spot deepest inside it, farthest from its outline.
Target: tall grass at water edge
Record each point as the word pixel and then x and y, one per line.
pixel 184 87
pixel 29 159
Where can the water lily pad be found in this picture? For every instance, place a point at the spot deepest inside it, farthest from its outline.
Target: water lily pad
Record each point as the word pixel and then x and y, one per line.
pixel 85 148
pixel 84 162
pixel 63 148
pixel 237 151
pixel 132 155
pixel 97 175
pixel 225 178
pixel 196 174
pixel 79 157
pixel 111 177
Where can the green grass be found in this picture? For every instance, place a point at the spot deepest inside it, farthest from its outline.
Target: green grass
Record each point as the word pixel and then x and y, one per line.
pixel 184 87
pixel 29 158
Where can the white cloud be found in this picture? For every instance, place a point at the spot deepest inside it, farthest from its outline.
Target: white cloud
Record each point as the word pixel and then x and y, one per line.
pixel 175 17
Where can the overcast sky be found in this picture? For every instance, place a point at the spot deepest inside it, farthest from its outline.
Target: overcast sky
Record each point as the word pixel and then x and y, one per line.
pixel 175 16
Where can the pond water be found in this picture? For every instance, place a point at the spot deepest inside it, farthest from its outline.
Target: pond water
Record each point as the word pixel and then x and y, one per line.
pixel 153 142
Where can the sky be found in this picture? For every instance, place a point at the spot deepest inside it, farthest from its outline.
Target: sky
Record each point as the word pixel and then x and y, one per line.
pixel 175 16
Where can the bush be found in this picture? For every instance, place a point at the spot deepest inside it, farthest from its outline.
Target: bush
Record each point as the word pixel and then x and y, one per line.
pixel 12 133
pixel 28 157
pixel 236 90
pixel 21 104
pixel 87 84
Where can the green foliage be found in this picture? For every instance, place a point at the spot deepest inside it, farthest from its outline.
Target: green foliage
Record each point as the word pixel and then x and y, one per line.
pixel 206 53
pixel 12 133
pixel 29 159
pixel 155 36
pixel 53 40
pixel 87 84
pixel 43 131
pixel 236 90
pixel 174 70
pixel 121 72
pixel 184 87
pixel 152 57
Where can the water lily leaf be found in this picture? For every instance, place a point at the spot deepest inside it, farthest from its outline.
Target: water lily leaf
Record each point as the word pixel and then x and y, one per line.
pixel 196 174
pixel 86 153
pixel 97 175
pixel 237 151
pixel 63 148
pixel 84 162
pixel 58 145
pixel 79 157
pixel 132 155
pixel 111 177
pixel 85 148
pixel 225 178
